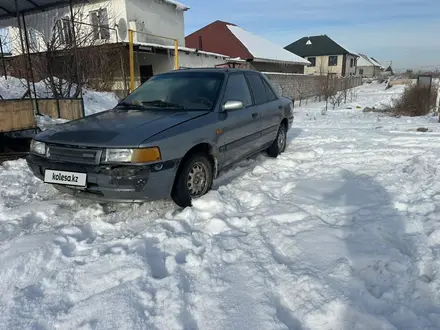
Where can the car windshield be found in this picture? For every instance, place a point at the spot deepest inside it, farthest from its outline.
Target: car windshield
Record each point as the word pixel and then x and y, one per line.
pixel 178 90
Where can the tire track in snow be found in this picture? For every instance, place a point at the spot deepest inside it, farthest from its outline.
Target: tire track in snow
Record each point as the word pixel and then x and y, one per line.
pixel 337 232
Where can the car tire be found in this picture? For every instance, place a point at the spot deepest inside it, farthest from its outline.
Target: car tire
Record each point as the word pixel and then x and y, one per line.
pixel 193 180
pixel 279 144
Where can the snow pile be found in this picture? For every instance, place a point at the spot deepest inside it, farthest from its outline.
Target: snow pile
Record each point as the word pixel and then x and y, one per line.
pixel 14 88
pixel 44 122
pixel 376 96
pixel 179 5
pixel 340 232
pixel 95 102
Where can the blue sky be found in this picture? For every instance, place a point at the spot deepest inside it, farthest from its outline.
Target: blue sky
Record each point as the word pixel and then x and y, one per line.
pixel 406 32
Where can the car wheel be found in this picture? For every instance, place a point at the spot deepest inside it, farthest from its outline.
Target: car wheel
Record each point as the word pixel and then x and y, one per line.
pixel 279 145
pixel 193 181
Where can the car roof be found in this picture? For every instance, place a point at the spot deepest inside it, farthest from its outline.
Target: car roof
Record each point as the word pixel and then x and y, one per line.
pixel 210 70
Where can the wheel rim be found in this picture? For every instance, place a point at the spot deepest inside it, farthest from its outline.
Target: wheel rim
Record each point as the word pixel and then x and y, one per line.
pixel 197 179
pixel 281 139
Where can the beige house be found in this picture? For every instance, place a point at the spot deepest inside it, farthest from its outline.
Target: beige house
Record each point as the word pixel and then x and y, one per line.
pixel 325 55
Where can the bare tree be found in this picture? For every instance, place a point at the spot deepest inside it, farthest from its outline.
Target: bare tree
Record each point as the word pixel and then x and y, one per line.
pixel 299 90
pixel 346 85
pixel 4 45
pixel 76 53
pixel 321 69
pixel 328 87
pixel 336 99
pixel 353 94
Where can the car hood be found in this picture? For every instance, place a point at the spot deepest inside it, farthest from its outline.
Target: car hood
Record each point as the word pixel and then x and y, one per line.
pixel 117 128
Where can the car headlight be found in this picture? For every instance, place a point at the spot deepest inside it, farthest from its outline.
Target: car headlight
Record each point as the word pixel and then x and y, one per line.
pixel 38 147
pixel 144 155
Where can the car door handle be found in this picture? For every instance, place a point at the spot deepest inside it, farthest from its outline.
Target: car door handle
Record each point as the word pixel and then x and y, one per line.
pixel 255 115
pixel 280 107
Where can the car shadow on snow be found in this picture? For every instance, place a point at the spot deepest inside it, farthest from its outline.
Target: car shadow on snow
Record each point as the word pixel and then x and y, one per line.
pixel 237 170
pixel 382 286
pixel 293 133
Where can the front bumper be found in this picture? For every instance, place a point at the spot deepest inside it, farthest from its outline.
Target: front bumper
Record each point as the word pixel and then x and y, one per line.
pixel 111 183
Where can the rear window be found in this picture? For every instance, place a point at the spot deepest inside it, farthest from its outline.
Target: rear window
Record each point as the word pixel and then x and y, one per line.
pixel 269 92
pixel 237 90
pixel 260 89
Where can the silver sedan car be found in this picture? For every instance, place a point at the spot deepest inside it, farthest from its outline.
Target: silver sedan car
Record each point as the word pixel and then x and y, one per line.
pixel 169 138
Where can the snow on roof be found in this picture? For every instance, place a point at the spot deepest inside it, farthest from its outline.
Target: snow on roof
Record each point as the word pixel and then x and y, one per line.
pixel 376 62
pixel 183 49
pixel 262 49
pixel 236 59
pixel 178 5
pixel 365 60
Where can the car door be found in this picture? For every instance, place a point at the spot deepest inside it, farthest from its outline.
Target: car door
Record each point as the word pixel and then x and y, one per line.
pixel 269 107
pixel 240 128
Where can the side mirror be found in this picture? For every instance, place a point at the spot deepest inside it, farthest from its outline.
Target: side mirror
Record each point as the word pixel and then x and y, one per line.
pixel 232 105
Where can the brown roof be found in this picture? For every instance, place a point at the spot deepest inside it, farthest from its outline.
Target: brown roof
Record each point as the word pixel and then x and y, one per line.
pixel 217 38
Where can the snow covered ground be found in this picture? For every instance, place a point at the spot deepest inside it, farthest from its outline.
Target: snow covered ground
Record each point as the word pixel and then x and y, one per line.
pixel 342 231
pixel 14 88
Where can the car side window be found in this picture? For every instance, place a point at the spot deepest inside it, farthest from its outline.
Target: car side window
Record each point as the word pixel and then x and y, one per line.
pixel 258 89
pixel 269 92
pixel 237 89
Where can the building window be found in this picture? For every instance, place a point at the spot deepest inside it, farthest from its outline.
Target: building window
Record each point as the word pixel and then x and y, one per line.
pixel 332 61
pixel 100 24
pixel 361 71
pixel 312 61
pixel 200 43
pixel 351 62
pixel 64 31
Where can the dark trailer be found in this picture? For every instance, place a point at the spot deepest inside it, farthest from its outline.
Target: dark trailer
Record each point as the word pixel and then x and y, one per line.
pixel 18 116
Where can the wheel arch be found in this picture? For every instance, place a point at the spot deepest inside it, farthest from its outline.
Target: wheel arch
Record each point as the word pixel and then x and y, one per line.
pixel 285 123
pixel 203 148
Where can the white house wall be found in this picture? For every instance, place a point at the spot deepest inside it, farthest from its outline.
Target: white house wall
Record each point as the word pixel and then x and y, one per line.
pixel 194 60
pixel 154 17
pixel 165 63
pixel 116 10
pixel 160 63
pixel 158 18
pixel 350 71
pixel 44 23
pixel 368 71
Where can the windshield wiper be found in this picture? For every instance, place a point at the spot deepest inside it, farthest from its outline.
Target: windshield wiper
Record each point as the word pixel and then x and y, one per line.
pixel 125 104
pixel 160 103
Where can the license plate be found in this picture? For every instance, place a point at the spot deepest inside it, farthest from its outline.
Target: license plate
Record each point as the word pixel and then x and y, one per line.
pixel 65 178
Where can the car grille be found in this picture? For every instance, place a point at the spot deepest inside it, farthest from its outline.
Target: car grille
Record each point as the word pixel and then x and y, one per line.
pixel 76 155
